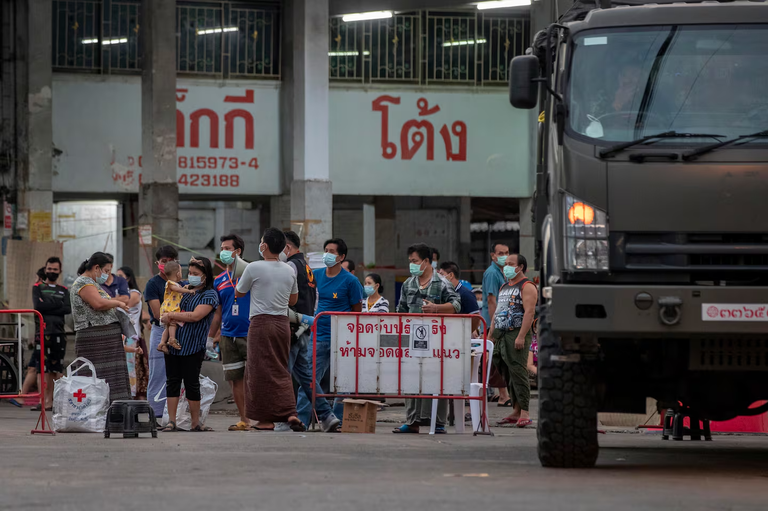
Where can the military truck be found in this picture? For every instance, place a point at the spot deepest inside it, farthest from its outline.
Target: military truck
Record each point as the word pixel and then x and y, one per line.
pixel 651 214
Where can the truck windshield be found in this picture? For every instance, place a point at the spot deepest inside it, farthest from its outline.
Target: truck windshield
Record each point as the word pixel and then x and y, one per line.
pixel 630 83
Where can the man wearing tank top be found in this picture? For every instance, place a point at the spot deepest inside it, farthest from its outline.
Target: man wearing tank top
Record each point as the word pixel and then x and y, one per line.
pixel 515 309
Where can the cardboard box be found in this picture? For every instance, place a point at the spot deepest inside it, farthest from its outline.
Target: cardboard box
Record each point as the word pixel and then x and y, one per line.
pixel 359 416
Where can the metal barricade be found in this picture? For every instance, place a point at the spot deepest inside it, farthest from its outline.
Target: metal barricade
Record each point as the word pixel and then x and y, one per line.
pixel 403 336
pixel 43 421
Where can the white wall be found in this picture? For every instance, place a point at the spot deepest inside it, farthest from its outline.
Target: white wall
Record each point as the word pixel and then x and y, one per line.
pixel 97 128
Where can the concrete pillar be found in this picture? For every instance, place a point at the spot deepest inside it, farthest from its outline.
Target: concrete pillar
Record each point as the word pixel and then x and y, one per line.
pixel 386 244
pixel 527 234
pixel 465 236
pixel 159 194
pixel 305 104
pixel 35 149
pixel 369 234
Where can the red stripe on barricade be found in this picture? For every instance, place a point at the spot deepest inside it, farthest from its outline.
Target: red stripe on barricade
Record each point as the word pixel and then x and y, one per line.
pixel 42 420
pixel 484 362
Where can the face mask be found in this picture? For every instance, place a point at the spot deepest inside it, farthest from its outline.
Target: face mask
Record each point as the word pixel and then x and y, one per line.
pixel 510 272
pixel 195 280
pixel 283 257
pixel 101 279
pixel 416 270
pixel 161 267
pixel 261 252
pixel 329 259
pixel 501 260
pixel 226 256
pixel 52 276
pixel 369 290
pixel 434 265
pixel 479 304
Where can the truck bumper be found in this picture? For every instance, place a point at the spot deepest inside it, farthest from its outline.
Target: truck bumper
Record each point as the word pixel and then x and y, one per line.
pixel 636 311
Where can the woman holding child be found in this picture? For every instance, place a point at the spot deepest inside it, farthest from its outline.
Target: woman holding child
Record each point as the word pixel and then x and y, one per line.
pixel 196 310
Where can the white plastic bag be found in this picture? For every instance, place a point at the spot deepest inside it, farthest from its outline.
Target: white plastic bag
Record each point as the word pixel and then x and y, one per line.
pixel 80 403
pixel 208 390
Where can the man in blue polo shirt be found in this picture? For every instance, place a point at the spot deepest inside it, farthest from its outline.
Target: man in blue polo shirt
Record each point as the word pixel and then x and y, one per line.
pixel 232 317
pixel 338 291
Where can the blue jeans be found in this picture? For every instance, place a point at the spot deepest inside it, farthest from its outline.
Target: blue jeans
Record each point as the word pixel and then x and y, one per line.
pixel 156 383
pixel 304 401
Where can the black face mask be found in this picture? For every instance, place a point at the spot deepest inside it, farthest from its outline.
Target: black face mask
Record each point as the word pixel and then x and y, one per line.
pixel 52 276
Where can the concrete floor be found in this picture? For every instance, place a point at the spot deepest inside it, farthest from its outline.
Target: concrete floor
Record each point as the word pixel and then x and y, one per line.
pixel 315 471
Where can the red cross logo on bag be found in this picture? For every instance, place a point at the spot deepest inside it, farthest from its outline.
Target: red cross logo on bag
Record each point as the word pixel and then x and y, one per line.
pixel 79 395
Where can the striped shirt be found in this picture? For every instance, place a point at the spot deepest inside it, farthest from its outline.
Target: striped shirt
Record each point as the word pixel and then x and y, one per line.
pixel 193 336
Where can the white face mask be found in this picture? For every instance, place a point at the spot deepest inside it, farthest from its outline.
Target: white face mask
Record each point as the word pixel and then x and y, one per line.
pixel 282 257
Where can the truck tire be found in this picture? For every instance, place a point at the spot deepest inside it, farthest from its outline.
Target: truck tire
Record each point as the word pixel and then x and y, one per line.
pixel 567 426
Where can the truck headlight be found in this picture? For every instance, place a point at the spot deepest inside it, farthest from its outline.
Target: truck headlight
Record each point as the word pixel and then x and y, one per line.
pixel 586 236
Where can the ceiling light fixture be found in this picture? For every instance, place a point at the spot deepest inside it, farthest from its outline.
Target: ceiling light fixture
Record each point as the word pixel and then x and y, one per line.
pixel 115 41
pixel 465 43
pixel 499 4
pixel 346 53
pixel 363 16
pixel 207 31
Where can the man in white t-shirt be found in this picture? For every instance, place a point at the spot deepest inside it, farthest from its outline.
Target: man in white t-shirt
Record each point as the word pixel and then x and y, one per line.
pixel 269 395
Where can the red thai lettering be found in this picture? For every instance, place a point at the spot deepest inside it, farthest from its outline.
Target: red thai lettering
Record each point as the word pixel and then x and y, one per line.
pixel 180 129
pixel 248 98
pixel 229 130
pixel 194 130
pixel 459 129
pixel 388 149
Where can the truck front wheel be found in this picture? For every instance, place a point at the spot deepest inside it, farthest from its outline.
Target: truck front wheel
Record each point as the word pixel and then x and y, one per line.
pixel 567 427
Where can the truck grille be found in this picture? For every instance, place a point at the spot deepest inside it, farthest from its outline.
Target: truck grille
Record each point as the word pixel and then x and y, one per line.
pixel 689 251
pixel 730 354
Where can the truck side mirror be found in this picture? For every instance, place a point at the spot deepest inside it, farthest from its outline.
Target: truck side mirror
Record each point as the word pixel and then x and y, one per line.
pixel 523 84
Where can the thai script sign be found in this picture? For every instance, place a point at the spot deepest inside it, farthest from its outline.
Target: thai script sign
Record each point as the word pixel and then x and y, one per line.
pixel 388 353
pixel 734 312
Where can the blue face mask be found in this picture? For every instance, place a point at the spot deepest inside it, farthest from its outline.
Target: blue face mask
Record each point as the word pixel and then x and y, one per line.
pixel 329 259
pixel 226 257
pixel 101 279
pixel 416 270
pixel 195 280
pixel 501 260
pixel 510 272
pixel 369 290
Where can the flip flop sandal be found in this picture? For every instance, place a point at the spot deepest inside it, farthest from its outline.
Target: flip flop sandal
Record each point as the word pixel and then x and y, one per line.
pixel 405 428
pixel 523 423
pixel 201 429
pixel 493 399
pixel 163 349
pixel 240 426
pixel 170 428
pixel 506 404
pixel 297 426
pixel 440 430
pixel 507 420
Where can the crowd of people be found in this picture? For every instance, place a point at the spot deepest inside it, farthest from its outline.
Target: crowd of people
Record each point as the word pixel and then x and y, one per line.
pixel 267 359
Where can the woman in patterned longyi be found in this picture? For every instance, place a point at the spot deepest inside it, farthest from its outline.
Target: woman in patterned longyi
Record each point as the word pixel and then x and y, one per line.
pixel 99 337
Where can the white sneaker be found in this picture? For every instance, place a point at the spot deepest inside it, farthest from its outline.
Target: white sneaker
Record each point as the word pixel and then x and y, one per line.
pixel 282 427
pixel 330 423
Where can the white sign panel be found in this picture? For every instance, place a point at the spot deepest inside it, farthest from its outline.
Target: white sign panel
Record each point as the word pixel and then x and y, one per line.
pixel 227 138
pixel 429 143
pixel 734 312
pixel 381 349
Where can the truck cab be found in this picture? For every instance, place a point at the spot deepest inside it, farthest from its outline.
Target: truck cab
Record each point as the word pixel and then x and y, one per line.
pixel 651 214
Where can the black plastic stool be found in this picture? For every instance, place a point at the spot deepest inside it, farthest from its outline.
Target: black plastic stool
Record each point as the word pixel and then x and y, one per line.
pixel 674 426
pixel 130 418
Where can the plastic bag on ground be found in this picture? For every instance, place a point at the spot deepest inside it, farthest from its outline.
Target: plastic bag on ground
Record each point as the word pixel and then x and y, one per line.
pixel 80 403
pixel 208 389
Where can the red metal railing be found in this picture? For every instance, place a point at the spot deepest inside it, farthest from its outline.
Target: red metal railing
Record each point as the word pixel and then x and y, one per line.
pixel 400 394
pixel 43 420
